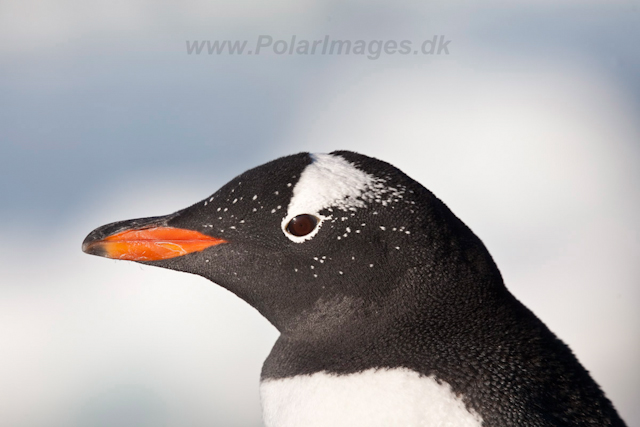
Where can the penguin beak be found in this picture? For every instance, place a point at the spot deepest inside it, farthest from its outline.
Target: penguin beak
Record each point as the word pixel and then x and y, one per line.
pixel 136 241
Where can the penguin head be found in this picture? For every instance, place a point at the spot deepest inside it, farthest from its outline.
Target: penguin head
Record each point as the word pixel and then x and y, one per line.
pixel 310 240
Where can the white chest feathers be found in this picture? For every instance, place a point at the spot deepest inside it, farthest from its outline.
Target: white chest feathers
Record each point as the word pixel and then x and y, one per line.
pixel 373 398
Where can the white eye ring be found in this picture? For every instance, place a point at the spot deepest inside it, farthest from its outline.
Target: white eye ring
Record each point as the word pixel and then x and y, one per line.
pixel 302 225
pixel 302 238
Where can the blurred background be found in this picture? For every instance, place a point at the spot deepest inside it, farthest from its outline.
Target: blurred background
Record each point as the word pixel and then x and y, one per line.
pixel 528 128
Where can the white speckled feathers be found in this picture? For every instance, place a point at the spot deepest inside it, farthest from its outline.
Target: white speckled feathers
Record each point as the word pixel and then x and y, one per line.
pixel 332 182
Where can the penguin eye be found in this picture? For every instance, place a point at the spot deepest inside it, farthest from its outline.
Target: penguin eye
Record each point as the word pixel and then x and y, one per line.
pixel 302 225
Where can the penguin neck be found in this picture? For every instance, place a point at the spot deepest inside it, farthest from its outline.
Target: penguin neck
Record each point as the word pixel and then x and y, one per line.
pixel 346 334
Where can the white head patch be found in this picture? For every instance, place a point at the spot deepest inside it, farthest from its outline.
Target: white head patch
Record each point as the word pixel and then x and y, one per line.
pixel 328 182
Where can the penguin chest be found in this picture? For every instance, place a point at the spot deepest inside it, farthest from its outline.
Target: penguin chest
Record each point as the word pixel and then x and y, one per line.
pixel 375 397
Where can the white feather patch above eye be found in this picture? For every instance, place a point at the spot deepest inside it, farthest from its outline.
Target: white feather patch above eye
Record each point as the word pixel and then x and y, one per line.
pixel 329 181
pixel 373 398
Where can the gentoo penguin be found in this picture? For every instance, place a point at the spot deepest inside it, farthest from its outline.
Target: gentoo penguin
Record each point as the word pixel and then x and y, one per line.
pixel 391 312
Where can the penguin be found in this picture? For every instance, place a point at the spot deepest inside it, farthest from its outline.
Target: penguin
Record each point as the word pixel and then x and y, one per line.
pixel 391 311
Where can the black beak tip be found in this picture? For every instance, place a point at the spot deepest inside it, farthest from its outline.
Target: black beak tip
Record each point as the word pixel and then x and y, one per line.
pixel 89 245
pixel 97 250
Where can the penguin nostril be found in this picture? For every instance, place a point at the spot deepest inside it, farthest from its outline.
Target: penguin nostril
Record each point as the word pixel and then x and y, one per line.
pixel 302 225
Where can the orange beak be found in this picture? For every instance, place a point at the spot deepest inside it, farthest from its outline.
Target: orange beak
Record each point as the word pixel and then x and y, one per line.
pixel 150 244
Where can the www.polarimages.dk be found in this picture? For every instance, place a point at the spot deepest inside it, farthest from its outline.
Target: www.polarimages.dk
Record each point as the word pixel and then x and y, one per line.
pixel 437 45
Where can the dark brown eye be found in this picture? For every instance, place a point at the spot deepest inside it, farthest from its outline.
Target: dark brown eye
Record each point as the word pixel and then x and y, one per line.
pixel 302 225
